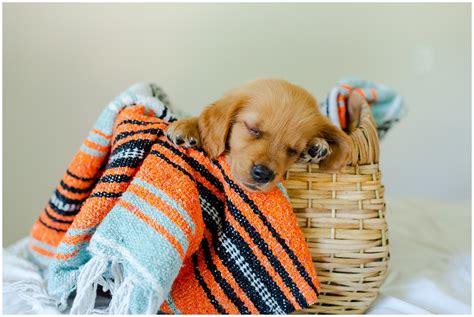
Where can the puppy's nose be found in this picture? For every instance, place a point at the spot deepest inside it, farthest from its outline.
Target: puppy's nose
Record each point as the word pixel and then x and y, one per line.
pixel 262 174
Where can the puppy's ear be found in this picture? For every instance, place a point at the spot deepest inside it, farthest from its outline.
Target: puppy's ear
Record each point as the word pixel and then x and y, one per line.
pixel 339 143
pixel 216 121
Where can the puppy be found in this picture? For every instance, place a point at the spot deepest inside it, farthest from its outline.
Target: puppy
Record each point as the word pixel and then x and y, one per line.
pixel 263 127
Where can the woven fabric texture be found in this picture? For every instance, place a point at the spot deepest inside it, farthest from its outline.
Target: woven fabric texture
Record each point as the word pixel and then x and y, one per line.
pixel 166 229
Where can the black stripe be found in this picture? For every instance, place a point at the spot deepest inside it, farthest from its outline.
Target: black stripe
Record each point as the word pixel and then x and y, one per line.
pixel 262 217
pixel 194 164
pixel 117 178
pixel 76 190
pixel 263 246
pixel 226 288
pixel 164 113
pixel 63 212
pixel 137 122
pixel 214 202
pixel 164 158
pixel 55 229
pixel 56 219
pixel 255 263
pixel 206 289
pixel 225 257
pixel 132 162
pixel 216 207
pixel 142 144
pixel 84 179
pixel 66 200
pixel 106 194
pixel 123 135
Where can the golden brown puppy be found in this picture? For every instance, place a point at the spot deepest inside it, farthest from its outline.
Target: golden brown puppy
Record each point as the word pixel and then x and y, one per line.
pixel 263 127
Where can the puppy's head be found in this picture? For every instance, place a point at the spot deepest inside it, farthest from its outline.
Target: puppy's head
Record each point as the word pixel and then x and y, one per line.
pixel 263 127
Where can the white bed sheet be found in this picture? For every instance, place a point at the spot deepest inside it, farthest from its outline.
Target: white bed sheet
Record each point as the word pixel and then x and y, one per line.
pixel 430 266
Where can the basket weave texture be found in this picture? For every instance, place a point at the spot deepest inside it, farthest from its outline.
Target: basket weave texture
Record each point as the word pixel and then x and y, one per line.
pixel 342 216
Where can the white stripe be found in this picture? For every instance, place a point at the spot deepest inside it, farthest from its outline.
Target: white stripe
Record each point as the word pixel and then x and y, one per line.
pixel 62 206
pixel 244 267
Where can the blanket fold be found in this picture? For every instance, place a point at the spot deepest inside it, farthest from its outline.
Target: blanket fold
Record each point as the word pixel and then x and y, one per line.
pixel 386 105
pixel 166 229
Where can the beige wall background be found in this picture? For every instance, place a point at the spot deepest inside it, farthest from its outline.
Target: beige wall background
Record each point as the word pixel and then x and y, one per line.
pixel 62 63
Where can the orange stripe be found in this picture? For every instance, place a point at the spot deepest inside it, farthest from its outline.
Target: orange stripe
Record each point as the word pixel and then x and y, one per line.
pixel 66 256
pixel 72 195
pixel 41 251
pixel 374 94
pixel 96 146
pixel 73 240
pixel 172 214
pixel 120 170
pixel 102 134
pixel 347 87
pixel 85 165
pixel 342 116
pixel 159 228
pixel 46 235
pixel 49 222
pixel 166 309
pixel 361 92
pixel 188 295
pixel 74 182
pixel 159 172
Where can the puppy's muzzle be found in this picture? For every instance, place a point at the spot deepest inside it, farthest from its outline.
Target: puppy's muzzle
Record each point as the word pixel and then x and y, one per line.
pixel 262 174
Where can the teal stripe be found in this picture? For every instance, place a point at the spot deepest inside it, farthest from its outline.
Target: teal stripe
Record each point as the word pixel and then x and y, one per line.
pixel 42 245
pixel 42 261
pixel 64 248
pixel 124 228
pixel 172 305
pixel 166 199
pixel 88 150
pixel 78 232
pixel 94 137
pixel 158 217
pixel 283 190
pixel 105 122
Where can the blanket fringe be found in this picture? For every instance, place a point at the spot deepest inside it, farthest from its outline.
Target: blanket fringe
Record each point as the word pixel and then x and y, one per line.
pixel 154 304
pixel 89 277
pixel 33 292
pixel 121 299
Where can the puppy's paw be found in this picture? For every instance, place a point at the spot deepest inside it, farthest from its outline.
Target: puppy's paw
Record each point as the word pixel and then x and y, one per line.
pixel 317 150
pixel 184 133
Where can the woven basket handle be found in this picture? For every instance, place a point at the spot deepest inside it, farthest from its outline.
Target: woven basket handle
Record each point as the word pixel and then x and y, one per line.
pixel 365 141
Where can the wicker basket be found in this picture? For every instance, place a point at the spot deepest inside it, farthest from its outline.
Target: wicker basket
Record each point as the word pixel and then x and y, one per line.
pixel 343 219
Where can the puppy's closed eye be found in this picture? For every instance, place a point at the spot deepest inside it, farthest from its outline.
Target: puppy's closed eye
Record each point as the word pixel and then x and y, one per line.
pixel 254 131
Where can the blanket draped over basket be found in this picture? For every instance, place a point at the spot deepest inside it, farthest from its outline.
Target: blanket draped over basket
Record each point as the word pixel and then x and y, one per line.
pixel 166 229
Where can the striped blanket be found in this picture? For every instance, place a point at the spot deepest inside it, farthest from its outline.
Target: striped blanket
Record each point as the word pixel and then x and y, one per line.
pixel 166 229
pixel 386 104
